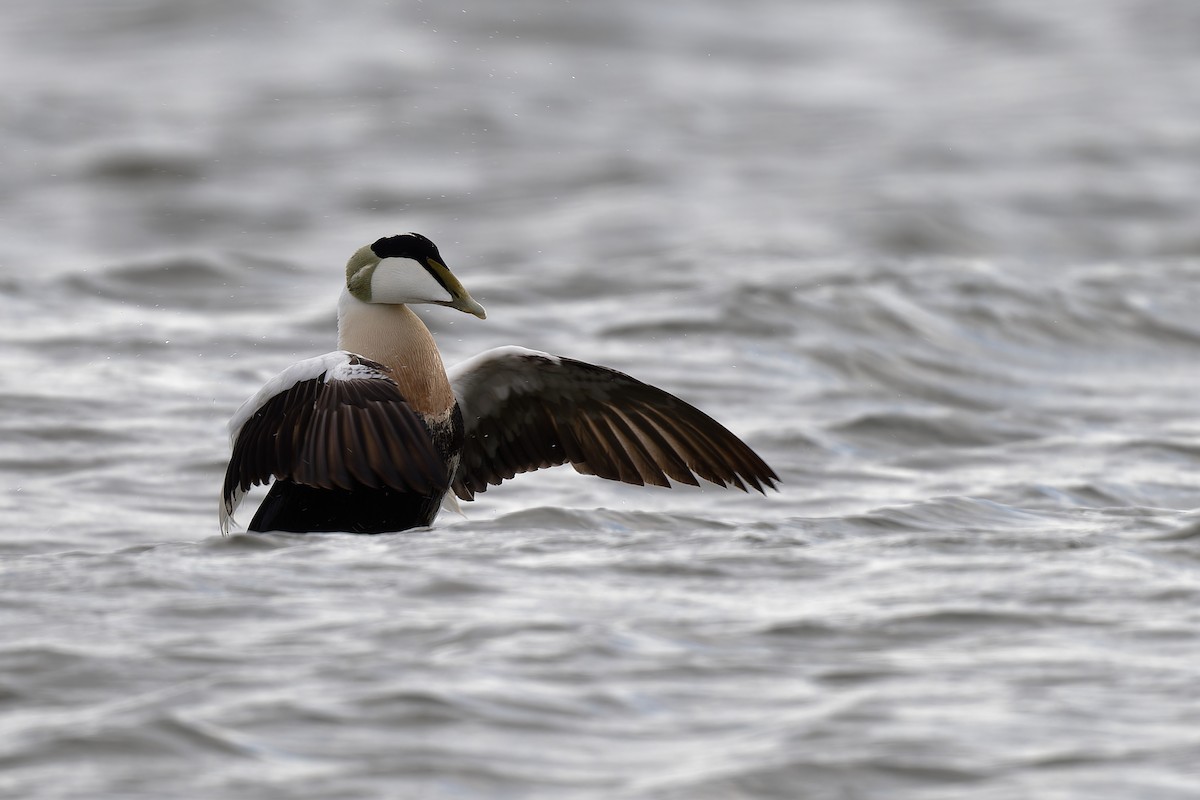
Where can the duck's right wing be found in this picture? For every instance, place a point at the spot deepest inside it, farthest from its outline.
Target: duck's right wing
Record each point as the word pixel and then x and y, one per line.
pixel 524 410
pixel 334 421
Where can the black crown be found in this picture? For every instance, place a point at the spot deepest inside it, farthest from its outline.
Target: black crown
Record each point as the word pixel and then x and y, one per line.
pixel 406 245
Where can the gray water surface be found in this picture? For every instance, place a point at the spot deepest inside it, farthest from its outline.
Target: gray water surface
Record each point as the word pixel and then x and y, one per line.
pixel 936 261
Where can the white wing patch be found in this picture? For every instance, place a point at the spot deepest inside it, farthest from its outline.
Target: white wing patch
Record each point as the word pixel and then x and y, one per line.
pixel 464 368
pixel 339 365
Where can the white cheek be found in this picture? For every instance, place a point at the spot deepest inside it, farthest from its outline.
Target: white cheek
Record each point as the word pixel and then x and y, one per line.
pixel 402 280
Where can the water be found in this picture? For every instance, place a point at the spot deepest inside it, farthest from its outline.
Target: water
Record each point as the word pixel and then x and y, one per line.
pixel 937 262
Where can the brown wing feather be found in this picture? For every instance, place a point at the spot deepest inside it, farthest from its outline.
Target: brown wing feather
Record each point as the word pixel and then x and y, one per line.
pixel 524 410
pixel 337 434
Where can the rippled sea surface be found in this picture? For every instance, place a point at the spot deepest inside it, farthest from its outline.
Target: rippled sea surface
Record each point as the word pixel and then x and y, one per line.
pixel 938 262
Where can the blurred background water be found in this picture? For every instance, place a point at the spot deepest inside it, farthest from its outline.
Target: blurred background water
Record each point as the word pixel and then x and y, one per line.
pixel 937 261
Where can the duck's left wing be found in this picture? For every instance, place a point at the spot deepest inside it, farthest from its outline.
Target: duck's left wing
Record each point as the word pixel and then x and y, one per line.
pixel 524 410
pixel 336 421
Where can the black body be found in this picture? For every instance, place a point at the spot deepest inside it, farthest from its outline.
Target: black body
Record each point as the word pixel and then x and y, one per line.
pixel 296 508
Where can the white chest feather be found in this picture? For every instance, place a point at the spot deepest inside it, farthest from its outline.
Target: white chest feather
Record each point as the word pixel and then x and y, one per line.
pixel 394 336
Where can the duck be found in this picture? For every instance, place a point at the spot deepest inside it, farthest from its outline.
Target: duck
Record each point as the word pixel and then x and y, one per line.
pixel 376 436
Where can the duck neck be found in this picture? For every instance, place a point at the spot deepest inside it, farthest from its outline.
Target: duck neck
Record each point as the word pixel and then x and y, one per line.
pixel 396 337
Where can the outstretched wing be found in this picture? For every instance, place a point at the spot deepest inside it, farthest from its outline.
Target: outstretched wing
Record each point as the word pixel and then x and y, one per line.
pixel 524 410
pixel 337 421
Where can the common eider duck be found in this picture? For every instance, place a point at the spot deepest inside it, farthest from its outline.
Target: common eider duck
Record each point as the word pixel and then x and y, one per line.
pixel 370 438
